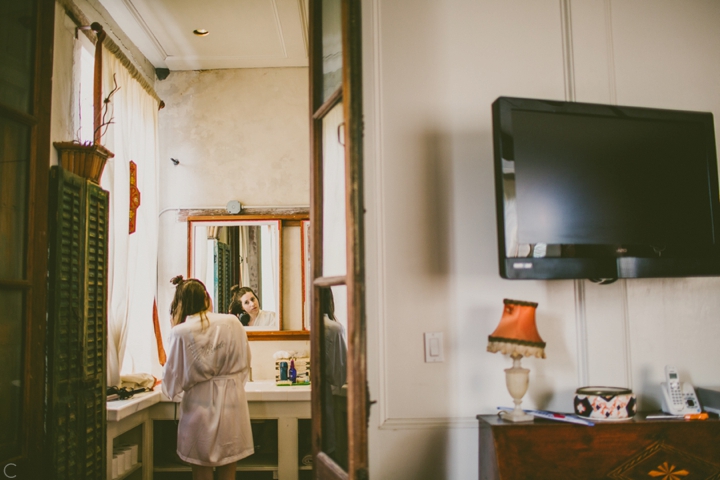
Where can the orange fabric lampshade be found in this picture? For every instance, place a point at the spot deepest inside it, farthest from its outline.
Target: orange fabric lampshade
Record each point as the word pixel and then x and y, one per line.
pixel 517 333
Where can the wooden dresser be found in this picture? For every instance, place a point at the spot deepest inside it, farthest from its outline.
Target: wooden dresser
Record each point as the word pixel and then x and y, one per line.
pixel 635 449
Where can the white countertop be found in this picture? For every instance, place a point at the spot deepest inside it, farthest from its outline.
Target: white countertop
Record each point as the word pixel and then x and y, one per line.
pixel 267 391
pixel 260 391
pixel 119 409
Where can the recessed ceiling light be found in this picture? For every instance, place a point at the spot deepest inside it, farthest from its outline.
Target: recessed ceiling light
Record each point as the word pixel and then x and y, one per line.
pixel 201 32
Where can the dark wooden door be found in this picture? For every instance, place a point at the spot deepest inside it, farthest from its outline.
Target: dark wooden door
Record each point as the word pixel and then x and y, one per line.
pixel 25 93
pixel 339 393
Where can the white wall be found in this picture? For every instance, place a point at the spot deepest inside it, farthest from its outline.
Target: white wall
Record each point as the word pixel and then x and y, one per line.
pixel 431 71
pixel 239 135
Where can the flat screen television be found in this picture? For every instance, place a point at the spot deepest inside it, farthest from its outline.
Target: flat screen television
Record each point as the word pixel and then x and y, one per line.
pixel 604 191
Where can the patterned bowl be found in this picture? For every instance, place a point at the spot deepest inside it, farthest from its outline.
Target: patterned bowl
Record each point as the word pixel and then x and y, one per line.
pixel 605 403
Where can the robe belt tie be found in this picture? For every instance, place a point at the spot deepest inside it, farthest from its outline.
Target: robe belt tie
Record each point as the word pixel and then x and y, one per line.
pixel 223 377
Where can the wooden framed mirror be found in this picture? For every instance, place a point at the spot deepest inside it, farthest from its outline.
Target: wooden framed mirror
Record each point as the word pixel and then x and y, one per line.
pixel 262 252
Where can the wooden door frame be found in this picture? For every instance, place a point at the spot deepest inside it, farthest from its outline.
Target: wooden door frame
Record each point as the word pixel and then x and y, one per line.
pixel 351 95
pixel 40 178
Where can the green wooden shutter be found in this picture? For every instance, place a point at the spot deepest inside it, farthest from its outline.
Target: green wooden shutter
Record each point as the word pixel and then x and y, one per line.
pixel 64 321
pixel 94 338
pixel 77 314
pixel 223 276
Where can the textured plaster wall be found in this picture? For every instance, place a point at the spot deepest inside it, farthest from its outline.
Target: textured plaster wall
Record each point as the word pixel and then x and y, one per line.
pixel 239 135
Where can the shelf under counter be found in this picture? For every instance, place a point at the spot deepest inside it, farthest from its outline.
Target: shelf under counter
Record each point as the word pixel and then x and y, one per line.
pixel 255 463
pixel 130 421
pixel 126 474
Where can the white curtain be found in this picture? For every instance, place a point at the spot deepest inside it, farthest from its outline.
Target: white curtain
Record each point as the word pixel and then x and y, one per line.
pixel 132 262
pixel 200 244
pixel 270 276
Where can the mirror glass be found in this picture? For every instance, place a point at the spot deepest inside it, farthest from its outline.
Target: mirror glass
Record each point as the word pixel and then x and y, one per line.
pixel 227 255
pixel 331 46
pixel 333 154
pixel 333 308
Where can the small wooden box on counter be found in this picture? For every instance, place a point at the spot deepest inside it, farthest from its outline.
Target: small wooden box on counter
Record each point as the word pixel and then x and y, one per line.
pixel 633 449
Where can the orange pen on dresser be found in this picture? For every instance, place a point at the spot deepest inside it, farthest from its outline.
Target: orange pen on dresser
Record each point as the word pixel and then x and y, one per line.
pixel 696 416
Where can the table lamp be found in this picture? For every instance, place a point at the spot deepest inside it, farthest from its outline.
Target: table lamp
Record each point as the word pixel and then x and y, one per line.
pixel 517 336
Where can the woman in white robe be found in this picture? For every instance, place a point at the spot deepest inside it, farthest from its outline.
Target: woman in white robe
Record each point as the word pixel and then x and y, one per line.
pixel 207 366
pixel 246 306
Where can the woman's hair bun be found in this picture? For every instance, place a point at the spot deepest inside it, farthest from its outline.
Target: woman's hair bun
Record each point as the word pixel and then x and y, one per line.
pixel 177 280
pixel 234 288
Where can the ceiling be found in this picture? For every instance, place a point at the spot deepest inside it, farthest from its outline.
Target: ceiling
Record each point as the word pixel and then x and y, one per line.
pixel 242 33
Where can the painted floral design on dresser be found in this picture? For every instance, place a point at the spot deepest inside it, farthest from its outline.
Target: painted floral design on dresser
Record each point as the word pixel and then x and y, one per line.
pixel 664 462
pixel 668 472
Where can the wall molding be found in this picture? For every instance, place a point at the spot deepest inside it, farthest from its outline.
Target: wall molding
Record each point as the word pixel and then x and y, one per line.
pixel 626 331
pixel 567 50
pixel 278 25
pixel 303 7
pixel 148 31
pixel 379 202
pixel 581 319
pixel 609 45
pixel 583 372
pixel 583 369
pixel 430 422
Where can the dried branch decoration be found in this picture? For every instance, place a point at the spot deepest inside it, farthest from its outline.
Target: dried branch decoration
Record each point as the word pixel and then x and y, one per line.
pixel 106 122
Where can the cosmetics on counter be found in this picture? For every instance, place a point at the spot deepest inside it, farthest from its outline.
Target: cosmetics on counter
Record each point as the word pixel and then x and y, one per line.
pixel 288 362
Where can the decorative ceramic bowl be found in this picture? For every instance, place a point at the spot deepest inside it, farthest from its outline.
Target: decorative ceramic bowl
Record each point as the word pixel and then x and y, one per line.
pixel 605 403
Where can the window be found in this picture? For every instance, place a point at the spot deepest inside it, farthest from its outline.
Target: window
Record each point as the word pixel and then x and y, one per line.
pixel 85 60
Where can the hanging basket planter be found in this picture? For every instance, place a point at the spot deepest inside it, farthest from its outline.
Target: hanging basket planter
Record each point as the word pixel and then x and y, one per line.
pixel 86 160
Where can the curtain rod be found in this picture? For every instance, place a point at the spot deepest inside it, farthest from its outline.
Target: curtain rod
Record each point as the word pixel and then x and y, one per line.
pixel 80 21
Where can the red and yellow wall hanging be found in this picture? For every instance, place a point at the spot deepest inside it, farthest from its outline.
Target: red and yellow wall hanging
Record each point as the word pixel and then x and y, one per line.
pixel 134 196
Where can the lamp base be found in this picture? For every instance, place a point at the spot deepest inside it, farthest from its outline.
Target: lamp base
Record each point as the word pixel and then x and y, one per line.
pixel 517 380
pixel 516 416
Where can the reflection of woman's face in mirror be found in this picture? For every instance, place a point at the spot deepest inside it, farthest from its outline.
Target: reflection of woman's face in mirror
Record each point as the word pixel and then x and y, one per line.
pixel 250 304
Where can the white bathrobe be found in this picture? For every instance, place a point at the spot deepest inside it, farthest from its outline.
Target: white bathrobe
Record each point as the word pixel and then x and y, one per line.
pixel 266 319
pixel 211 367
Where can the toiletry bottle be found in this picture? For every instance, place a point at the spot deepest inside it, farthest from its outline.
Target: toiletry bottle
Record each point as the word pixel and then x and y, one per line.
pixel 283 371
pixel 293 372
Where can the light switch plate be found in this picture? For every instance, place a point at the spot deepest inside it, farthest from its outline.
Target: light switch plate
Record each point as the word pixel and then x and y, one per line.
pixel 434 351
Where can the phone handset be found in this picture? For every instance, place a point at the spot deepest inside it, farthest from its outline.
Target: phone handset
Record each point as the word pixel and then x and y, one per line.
pixel 679 398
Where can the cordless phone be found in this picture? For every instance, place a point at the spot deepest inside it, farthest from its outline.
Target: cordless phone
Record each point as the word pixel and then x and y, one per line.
pixel 679 398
